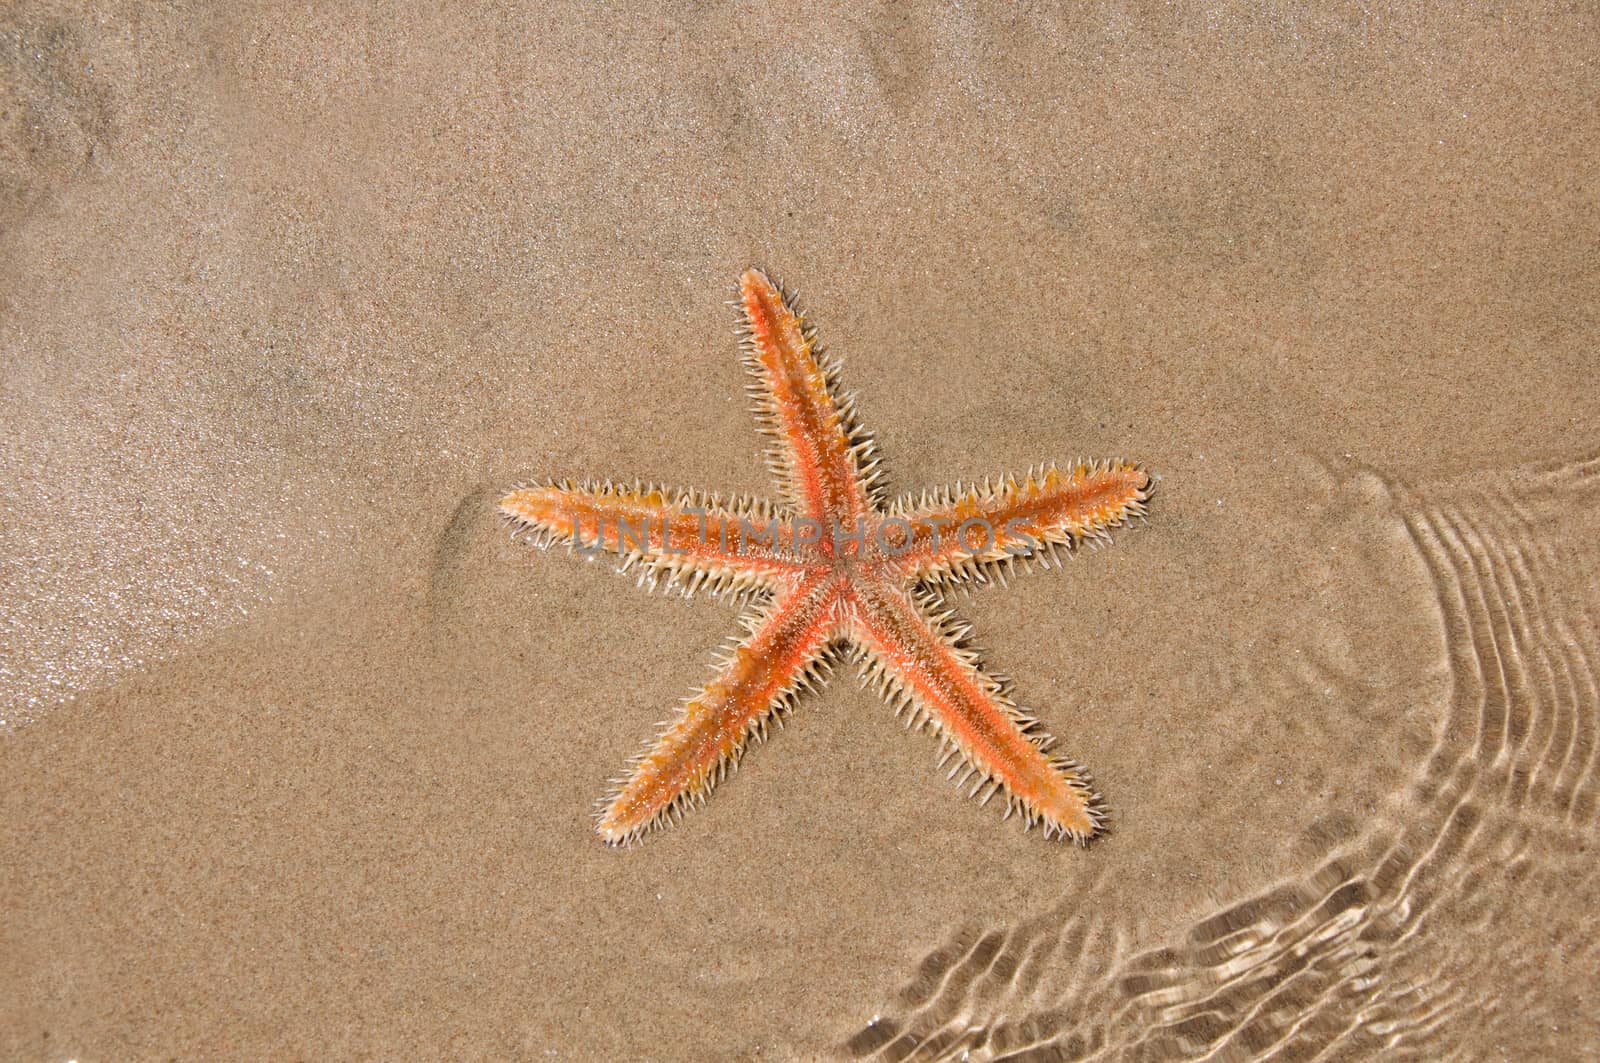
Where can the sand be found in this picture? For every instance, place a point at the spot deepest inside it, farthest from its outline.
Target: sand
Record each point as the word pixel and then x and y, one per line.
pixel 299 750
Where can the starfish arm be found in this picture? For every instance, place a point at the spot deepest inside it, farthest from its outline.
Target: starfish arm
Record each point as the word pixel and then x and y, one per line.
pixel 687 539
pixel 964 533
pixel 916 657
pixel 826 465
pixel 754 685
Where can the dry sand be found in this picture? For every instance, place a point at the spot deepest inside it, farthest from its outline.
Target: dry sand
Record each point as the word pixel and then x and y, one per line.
pixel 300 750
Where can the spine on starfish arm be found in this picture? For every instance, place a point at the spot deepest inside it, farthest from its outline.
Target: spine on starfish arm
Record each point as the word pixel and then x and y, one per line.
pixel 785 652
pixel 826 463
pixel 914 652
pixel 687 540
pixel 987 531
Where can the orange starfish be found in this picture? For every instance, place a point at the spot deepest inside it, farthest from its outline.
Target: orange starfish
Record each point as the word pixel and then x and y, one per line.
pixel 836 569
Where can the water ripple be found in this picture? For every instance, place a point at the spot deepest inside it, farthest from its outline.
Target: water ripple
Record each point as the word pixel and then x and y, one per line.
pixel 1436 930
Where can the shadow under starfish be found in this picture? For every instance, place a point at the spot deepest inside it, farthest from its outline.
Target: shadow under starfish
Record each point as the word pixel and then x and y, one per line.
pixel 837 568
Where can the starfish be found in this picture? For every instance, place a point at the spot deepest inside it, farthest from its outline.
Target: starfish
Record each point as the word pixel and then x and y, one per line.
pixel 836 569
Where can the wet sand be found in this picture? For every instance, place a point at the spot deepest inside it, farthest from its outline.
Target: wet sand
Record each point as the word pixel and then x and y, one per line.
pixel 299 750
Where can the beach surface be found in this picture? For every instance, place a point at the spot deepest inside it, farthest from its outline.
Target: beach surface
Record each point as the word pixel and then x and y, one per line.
pixel 299 750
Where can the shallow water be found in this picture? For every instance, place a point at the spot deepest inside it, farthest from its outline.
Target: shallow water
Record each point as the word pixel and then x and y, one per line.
pixel 299 748
pixel 1471 893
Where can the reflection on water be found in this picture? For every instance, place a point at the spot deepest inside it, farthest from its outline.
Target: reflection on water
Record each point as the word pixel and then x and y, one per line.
pixel 1458 921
